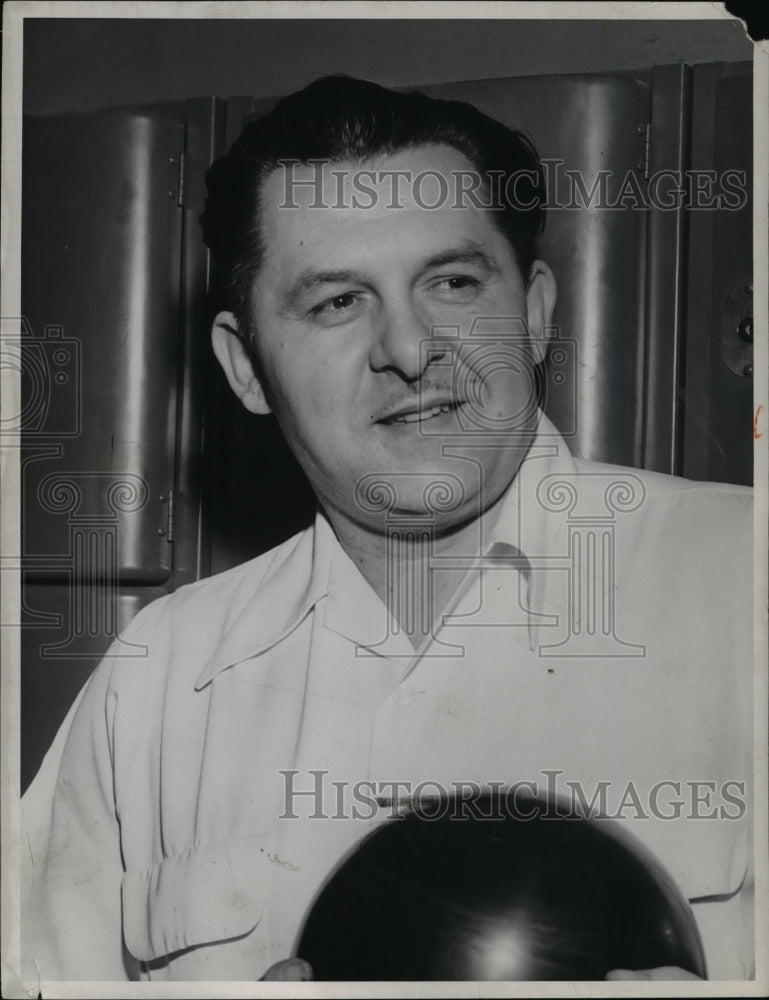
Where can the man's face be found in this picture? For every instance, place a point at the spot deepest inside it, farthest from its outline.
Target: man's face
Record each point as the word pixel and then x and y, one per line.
pixel 362 323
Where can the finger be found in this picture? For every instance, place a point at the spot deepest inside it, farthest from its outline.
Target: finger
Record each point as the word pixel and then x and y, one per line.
pixel 627 974
pixel 662 973
pixel 289 970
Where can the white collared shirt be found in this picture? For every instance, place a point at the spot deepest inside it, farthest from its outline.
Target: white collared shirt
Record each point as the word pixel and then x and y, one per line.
pixel 600 647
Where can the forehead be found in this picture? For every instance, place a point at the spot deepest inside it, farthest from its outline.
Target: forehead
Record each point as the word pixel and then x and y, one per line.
pixel 406 201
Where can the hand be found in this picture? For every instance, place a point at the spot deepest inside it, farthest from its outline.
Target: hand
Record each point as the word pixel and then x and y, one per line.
pixel 664 972
pixel 289 970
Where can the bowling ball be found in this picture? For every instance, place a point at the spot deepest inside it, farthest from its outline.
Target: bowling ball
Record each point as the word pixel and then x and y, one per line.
pixel 553 896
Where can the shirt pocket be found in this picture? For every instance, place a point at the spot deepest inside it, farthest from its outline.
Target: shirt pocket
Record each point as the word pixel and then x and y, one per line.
pixel 209 893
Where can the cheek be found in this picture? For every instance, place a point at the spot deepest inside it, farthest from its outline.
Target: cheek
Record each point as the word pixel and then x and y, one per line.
pixel 311 399
pixel 515 390
pixel 323 376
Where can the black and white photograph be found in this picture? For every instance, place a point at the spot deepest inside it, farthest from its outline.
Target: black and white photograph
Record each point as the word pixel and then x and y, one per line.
pixel 384 500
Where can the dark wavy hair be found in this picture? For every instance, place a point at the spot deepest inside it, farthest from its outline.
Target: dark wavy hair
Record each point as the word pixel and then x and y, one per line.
pixel 340 118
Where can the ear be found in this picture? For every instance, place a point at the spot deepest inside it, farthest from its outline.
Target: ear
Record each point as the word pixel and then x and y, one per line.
pixel 238 365
pixel 541 294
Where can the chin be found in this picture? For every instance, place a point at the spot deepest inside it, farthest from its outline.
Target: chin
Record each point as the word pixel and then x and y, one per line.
pixel 439 496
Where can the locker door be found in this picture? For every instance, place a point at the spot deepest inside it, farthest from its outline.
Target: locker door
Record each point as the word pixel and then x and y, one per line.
pixel 718 395
pixel 101 357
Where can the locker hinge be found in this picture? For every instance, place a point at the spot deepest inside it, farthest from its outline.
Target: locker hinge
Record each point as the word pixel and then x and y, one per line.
pixel 176 187
pixel 644 135
pixel 180 180
pixel 170 520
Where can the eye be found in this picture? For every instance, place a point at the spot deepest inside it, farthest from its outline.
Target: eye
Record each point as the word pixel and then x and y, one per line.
pixel 341 302
pixel 458 281
pixel 457 288
pixel 338 309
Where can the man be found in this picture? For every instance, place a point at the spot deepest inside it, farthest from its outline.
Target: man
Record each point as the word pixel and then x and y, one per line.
pixel 472 605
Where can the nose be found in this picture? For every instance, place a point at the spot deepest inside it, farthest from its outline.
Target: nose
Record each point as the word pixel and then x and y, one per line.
pixel 402 342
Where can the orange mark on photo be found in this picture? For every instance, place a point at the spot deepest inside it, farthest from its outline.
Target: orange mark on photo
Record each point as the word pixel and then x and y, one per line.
pixel 756 432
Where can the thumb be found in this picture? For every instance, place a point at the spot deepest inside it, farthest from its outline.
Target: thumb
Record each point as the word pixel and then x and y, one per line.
pixel 289 970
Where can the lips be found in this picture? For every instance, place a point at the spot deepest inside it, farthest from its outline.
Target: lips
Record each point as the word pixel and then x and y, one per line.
pixel 419 414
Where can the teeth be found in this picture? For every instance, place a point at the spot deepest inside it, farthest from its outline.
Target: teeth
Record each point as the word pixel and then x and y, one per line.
pixel 411 418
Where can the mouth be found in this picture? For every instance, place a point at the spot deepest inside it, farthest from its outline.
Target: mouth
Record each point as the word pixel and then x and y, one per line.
pixel 420 414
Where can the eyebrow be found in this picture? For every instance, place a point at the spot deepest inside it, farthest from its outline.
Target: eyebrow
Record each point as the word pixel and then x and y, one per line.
pixel 467 252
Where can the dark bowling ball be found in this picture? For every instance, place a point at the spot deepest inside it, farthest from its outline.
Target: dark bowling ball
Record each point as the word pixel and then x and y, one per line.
pixel 543 898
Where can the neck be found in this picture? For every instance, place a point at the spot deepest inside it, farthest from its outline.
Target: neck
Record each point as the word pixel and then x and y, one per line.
pixel 398 561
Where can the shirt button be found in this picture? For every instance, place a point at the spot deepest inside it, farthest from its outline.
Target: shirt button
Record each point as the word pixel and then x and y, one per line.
pixel 404 695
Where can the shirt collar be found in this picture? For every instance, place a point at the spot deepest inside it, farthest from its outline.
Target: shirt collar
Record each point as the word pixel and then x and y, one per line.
pixel 277 602
pixel 354 610
pixel 528 532
pixel 317 566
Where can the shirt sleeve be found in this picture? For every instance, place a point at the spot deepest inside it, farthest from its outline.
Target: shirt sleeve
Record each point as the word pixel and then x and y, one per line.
pixel 72 869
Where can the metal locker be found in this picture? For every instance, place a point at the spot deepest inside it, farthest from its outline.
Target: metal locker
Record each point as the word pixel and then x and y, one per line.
pixel 717 440
pixel 110 418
